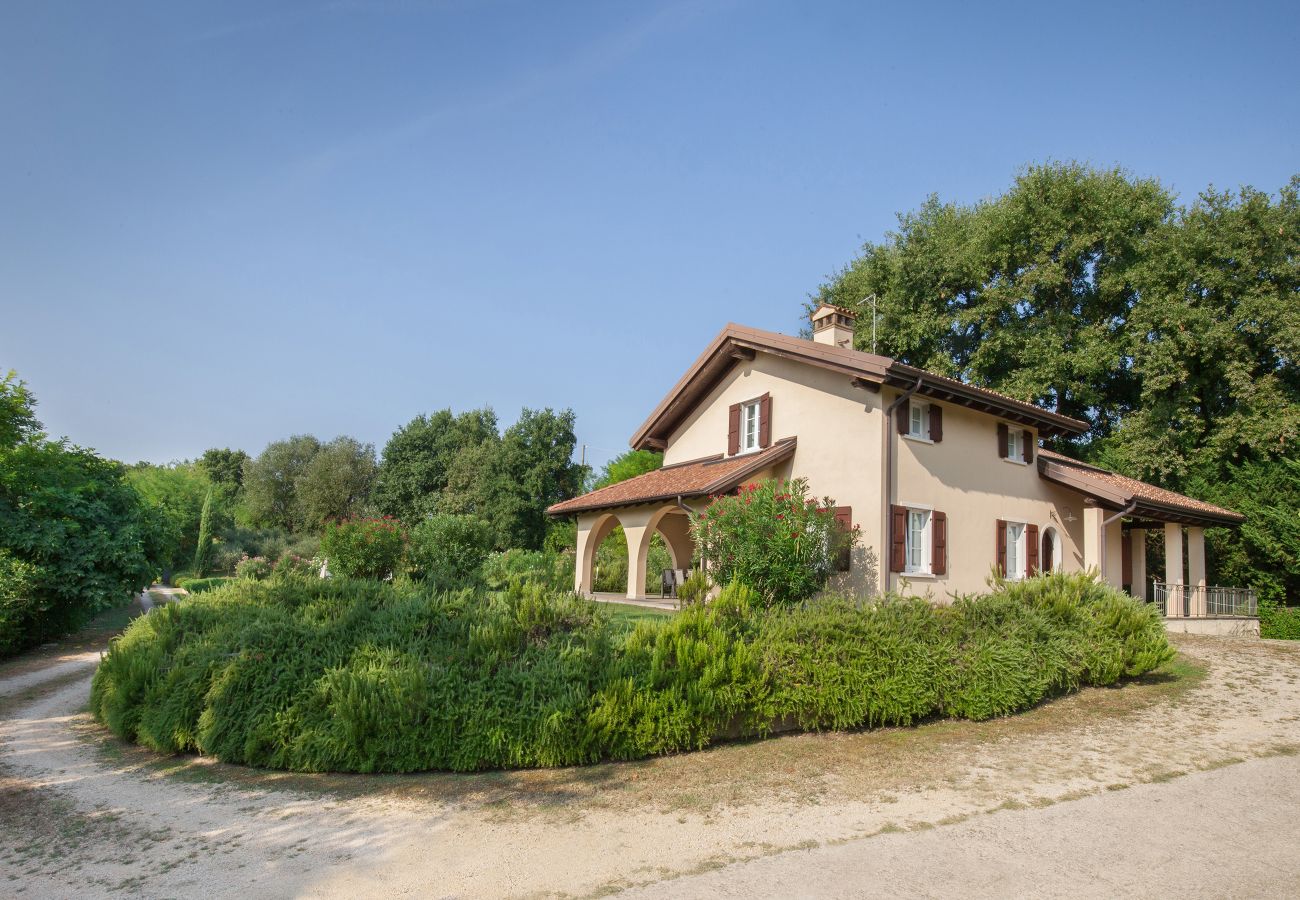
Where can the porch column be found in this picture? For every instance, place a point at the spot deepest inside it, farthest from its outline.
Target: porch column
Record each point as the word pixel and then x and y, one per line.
pixel 1196 569
pixel 676 531
pixel 1174 569
pixel 1114 538
pixel 592 531
pixel 1137 538
pixel 1092 519
pixel 639 528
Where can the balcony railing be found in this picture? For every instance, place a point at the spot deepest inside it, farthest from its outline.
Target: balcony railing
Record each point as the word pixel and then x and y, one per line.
pixel 1199 600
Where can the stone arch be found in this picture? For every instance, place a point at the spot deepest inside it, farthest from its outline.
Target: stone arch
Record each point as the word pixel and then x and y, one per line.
pixel 592 537
pixel 640 526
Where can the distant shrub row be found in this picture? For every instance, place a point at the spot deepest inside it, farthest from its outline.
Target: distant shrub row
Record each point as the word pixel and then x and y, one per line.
pixel 364 676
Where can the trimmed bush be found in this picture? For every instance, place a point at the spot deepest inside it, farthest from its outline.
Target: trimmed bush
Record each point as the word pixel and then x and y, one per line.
pixel 513 569
pixel 363 548
pixel 359 675
pixel 1279 622
pixel 447 552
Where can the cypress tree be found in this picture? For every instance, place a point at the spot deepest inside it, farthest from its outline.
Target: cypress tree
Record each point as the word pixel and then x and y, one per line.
pixel 204 548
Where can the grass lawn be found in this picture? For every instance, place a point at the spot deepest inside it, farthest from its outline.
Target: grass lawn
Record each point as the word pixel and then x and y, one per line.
pixel 628 615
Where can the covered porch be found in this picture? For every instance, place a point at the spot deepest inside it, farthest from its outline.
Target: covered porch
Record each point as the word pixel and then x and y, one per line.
pixel 1118 515
pixel 658 503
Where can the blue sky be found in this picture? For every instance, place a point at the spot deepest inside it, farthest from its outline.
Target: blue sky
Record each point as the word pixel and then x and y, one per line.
pixel 221 224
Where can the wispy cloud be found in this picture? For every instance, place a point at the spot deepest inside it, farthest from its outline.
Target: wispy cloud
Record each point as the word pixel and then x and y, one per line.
pixel 594 59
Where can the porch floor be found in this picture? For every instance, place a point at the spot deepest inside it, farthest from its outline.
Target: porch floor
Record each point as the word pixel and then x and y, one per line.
pixel 649 602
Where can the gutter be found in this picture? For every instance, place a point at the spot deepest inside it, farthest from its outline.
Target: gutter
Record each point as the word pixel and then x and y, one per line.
pixel 887 463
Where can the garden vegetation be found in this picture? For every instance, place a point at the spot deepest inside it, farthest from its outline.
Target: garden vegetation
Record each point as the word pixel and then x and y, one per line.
pixel 367 676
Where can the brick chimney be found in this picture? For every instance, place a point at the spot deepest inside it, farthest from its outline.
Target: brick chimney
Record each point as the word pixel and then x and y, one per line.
pixel 833 325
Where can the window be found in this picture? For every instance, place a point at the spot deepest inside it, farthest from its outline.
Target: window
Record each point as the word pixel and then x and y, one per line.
pixel 918 541
pixel 1015 444
pixel 1015 550
pixel 749 427
pixel 918 425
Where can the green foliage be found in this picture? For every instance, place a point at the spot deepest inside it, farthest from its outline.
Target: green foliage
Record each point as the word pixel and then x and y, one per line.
pixel 772 537
pixel 347 675
pixel 363 548
pixel 20 606
pixel 419 458
pixel 1172 330
pixel 18 422
pixel 77 536
pixel 1280 622
pixel 175 495
pixel 513 569
pixel 695 589
pixel 335 483
pixel 270 483
pixel 224 468
pixel 202 585
pixel 203 546
pixel 253 568
pixel 448 552
pixel 628 465
pixel 293 564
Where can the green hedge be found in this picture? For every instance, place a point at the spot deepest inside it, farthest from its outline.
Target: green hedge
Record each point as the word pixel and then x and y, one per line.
pixel 202 585
pixel 363 676
pixel 1279 621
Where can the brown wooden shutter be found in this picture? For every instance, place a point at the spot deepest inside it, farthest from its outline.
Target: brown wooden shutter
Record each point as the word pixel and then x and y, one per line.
pixel 897 538
pixel 938 542
pixel 1027 442
pixel 733 430
pixel 765 420
pixel 904 421
pixel 1002 440
pixel 844 520
pixel 1031 550
pixel 1001 541
pixel 936 423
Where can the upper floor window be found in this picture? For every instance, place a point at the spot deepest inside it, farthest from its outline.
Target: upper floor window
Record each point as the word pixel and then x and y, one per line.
pixel 1015 443
pixel 919 426
pixel 749 415
pixel 749 425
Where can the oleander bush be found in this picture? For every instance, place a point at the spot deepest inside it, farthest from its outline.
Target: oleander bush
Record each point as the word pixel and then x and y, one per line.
pixel 448 551
pixel 365 676
pixel 254 568
pixel 364 548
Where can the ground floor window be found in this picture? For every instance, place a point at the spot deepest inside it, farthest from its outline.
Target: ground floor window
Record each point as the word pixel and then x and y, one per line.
pixel 1015 567
pixel 918 541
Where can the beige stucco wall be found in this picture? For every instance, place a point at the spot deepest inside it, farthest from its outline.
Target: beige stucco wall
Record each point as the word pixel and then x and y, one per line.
pixel 964 477
pixel 838 427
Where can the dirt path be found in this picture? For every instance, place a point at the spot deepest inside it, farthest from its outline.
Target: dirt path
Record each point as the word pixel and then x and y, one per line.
pixel 82 815
pixel 1227 833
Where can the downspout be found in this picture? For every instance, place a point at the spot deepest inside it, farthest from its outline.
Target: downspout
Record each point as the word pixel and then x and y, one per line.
pixel 887 463
pixel 1128 510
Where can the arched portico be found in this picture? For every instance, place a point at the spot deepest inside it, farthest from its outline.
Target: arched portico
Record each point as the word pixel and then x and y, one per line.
pixel 640 524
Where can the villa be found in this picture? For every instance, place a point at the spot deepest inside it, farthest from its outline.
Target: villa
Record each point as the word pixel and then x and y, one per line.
pixel 946 481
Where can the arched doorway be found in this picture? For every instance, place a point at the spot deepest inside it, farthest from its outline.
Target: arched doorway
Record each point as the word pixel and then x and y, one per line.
pixel 1050 557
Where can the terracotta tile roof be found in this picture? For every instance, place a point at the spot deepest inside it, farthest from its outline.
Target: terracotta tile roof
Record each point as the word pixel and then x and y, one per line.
pixel 697 478
pixel 1120 490
pixel 741 342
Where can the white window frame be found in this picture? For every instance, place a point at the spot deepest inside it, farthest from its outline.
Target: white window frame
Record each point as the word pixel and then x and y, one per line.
pixel 1015 446
pixel 750 425
pixel 1016 546
pixel 926 517
pixel 918 422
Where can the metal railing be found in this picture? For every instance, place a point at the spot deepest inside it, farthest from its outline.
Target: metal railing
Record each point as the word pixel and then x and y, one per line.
pixel 1200 600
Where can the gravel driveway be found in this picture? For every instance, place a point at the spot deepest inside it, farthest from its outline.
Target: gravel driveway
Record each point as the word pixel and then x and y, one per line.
pixel 1185 791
